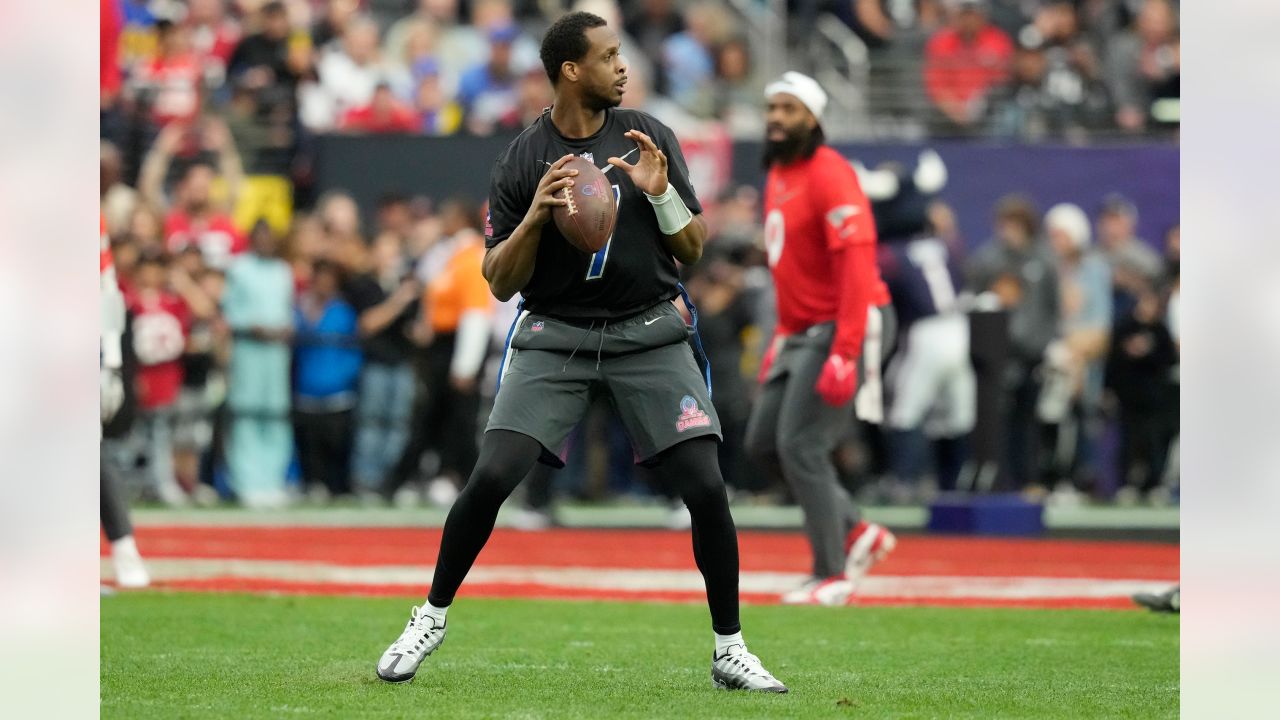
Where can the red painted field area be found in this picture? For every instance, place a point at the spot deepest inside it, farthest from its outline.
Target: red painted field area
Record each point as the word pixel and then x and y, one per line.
pixel 651 565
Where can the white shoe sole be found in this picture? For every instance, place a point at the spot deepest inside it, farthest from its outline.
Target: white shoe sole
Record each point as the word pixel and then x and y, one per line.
pixel 719 684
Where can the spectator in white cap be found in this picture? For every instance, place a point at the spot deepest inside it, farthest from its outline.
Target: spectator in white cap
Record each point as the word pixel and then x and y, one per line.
pixel 1084 277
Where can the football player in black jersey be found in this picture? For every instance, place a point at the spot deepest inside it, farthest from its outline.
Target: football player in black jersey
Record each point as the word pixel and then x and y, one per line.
pixel 594 324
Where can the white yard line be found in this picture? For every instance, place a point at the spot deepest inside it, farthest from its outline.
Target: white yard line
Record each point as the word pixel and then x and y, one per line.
pixel 618 579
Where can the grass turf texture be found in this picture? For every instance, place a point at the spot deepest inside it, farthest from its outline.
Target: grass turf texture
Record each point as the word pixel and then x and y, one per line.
pixel 176 655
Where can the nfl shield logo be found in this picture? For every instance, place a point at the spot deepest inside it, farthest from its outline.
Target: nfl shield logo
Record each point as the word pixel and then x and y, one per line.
pixel 691 416
pixel 537 326
pixel 589 157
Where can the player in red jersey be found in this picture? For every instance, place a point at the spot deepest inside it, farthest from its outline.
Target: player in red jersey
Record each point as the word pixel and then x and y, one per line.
pixel 821 243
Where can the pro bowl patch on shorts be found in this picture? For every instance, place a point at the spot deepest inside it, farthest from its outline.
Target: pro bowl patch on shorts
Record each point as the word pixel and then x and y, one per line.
pixel 691 416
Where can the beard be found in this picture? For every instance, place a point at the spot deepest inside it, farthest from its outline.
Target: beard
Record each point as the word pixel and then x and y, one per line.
pixel 799 143
pixel 599 102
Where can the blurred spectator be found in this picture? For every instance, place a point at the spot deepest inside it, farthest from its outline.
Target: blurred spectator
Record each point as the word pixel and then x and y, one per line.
pixel 488 91
pixel 1135 265
pixel 688 56
pixel 261 58
pixel 138 39
pixel 214 37
pixel 171 83
pixel 257 304
pixel 349 73
pixel 738 89
pixel 1140 373
pixel 1143 67
pixel 438 114
pixel 162 317
pixel 384 113
pixel 457 46
pixel 651 23
pixel 262 125
pixel 454 327
pixel 1172 270
pixel 336 19
pixel 964 63
pixel 1019 272
pixel 408 36
pixel 638 95
pixel 1071 402
pixel 420 46
pixel 725 313
pixel 394 215
pixel 145 231
pixel 340 218
pixel 110 78
pixel 117 200
pixel 1056 74
pixel 203 361
pixel 195 217
pixel 535 95
pixel 386 299
pixel 326 366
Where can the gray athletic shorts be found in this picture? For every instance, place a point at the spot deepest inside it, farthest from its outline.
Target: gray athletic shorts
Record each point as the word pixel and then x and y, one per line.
pixel 643 364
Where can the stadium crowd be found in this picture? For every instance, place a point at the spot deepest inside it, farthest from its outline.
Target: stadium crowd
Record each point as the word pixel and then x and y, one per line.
pixel 286 348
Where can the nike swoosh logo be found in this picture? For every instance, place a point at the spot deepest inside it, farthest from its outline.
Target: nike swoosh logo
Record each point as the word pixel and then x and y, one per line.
pixel 610 167
pixel 787 196
pixel 649 322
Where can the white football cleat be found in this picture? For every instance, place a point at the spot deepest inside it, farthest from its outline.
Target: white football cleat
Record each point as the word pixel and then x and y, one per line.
pixel 866 545
pixel 738 669
pixel 832 591
pixel 420 638
pixel 130 570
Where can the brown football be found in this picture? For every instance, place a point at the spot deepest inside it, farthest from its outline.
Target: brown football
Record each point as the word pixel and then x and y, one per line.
pixel 587 221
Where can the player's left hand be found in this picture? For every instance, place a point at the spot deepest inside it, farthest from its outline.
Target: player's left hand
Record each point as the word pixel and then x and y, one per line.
pixel 838 380
pixel 649 173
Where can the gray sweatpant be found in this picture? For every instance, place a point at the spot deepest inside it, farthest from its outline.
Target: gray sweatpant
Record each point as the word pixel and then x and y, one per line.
pixel 792 426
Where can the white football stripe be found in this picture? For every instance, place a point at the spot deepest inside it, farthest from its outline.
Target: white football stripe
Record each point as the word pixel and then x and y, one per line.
pixel 617 579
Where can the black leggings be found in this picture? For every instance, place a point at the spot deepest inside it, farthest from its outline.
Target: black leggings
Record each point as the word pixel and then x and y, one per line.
pixel 690 468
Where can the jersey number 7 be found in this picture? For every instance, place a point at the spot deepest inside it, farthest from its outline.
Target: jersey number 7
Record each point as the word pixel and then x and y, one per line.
pixel 595 269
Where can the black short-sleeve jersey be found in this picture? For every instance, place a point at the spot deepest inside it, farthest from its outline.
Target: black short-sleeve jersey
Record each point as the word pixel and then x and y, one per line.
pixel 634 270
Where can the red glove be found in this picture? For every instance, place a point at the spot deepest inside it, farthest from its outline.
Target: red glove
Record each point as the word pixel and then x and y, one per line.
pixel 838 380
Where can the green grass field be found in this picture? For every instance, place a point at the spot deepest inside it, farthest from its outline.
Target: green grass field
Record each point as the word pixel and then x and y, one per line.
pixel 234 656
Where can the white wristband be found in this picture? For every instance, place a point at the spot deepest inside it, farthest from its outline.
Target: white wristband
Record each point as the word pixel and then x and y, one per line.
pixel 672 213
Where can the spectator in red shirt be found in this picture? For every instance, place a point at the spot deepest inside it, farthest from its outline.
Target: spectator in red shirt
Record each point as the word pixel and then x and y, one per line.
pixel 384 113
pixel 214 37
pixel 109 53
pixel 161 321
pixel 194 218
pixel 965 62
pixel 172 80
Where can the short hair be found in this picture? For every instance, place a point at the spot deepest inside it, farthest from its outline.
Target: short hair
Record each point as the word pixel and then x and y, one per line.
pixel 324 265
pixel 566 41
pixel 1020 209
pixel 152 256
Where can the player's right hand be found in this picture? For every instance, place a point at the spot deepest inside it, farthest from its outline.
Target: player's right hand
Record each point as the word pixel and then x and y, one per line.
pixel 545 198
pixel 110 393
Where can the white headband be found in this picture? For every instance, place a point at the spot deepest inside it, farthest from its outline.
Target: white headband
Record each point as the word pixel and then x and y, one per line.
pixel 804 88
